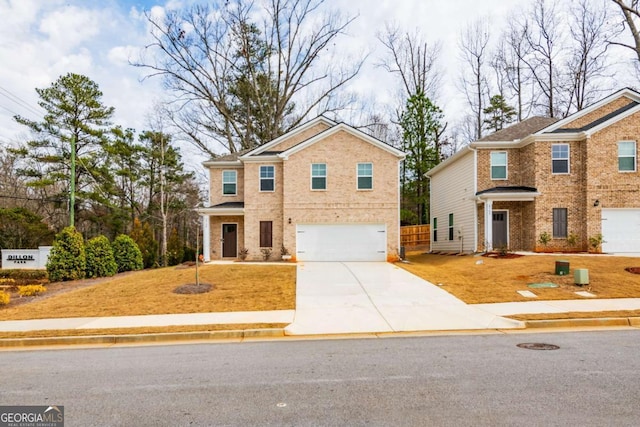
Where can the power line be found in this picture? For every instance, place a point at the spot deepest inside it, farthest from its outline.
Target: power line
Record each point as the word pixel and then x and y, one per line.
pixel 16 99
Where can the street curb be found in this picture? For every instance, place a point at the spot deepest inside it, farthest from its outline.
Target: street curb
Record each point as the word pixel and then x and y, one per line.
pixel 240 335
pixel 577 323
pixel 140 338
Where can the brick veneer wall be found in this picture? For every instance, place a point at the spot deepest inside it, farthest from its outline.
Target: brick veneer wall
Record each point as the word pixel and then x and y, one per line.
pixel 215 233
pixel 342 202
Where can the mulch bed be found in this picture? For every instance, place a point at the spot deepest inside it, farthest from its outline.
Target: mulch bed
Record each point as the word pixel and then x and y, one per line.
pixel 508 255
pixel 192 288
pixel 634 270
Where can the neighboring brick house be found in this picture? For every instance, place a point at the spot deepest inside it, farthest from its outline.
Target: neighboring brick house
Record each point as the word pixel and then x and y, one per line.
pixel 572 179
pixel 325 191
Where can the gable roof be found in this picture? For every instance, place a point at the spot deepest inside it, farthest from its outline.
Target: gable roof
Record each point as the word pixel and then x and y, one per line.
pixel 311 123
pixel 634 101
pixel 346 128
pixel 520 130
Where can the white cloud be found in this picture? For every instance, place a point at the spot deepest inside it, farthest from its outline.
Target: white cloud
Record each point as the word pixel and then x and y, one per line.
pixel 69 27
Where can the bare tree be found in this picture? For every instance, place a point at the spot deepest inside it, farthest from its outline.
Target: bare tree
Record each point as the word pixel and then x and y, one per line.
pixel 414 60
pixel 630 9
pixel 587 64
pixel 239 81
pixel 474 53
pixel 509 63
pixel 544 38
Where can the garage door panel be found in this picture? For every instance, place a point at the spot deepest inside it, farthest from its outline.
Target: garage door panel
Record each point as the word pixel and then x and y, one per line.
pixel 621 230
pixel 352 242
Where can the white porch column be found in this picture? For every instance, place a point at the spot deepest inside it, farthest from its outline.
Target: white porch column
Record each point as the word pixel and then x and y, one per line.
pixel 488 225
pixel 206 238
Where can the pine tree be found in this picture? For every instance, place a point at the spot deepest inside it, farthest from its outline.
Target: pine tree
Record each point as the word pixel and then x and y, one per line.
pixel 75 117
pixel 499 113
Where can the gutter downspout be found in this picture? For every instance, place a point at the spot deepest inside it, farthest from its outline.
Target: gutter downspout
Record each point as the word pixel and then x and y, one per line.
pixel 475 190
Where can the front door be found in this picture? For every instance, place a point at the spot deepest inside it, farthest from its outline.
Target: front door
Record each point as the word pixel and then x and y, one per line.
pixel 229 240
pixel 500 233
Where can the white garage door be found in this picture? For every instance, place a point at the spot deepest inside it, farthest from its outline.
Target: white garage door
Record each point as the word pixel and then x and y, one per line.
pixel 621 230
pixel 352 242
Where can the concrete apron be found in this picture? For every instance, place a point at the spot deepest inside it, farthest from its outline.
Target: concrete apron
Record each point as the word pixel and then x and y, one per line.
pixel 365 297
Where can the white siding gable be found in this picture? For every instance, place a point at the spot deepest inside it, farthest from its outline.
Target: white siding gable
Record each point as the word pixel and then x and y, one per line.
pixel 453 192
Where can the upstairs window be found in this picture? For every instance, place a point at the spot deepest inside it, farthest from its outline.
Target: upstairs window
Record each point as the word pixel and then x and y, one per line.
pixel 627 156
pixel 560 158
pixel 319 176
pixel 365 176
pixel 498 165
pixel 267 178
pixel 229 183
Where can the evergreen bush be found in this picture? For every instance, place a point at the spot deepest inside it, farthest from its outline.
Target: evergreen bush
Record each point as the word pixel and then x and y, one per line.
pixel 175 249
pixel 100 260
pixel 142 234
pixel 67 258
pixel 127 254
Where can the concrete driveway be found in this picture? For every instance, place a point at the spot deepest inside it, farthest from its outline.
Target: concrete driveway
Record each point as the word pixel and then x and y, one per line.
pixel 348 297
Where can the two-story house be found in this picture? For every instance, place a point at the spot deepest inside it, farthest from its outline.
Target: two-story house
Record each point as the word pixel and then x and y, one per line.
pixel 566 180
pixel 325 191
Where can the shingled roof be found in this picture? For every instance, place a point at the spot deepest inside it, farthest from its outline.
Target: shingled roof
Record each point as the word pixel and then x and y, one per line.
pixel 521 130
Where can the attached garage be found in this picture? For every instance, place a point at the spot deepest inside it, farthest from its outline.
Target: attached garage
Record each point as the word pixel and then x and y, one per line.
pixel 621 230
pixel 341 242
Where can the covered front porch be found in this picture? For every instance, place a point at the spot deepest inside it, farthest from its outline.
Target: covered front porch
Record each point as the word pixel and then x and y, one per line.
pixel 506 218
pixel 222 230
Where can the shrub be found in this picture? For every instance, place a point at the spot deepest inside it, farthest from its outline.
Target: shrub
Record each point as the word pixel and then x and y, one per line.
pixel 38 275
pixel 7 282
pixel 31 290
pixel 100 260
pixel 175 249
pixel 266 253
pixel 544 238
pixel 126 254
pixel 572 239
pixel 142 234
pixel 67 258
pixel 243 253
pixel 5 298
pixel 595 242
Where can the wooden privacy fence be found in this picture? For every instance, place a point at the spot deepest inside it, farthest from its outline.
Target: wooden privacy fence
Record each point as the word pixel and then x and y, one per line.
pixel 414 235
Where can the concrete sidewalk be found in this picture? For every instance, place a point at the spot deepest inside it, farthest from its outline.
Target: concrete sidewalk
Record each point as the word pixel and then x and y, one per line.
pixel 237 317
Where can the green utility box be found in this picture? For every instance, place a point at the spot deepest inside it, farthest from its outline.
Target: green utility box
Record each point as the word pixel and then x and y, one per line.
pixel 581 276
pixel 562 267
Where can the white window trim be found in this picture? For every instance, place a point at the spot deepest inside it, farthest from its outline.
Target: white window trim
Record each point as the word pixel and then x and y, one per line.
pixel 235 182
pixel 635 157
pixel 260 178
pixel 364 176
pixel 506 166
pixel 326 180
pixel 568 172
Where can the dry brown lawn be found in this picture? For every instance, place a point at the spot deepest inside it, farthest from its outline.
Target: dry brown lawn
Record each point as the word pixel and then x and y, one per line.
pixel 498 280
pixel 236 287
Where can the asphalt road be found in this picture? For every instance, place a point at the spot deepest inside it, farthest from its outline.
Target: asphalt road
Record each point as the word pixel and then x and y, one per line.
pixel 593 379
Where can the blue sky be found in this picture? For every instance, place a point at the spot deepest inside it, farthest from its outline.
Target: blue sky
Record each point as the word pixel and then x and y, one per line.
pixel 43 39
